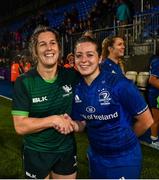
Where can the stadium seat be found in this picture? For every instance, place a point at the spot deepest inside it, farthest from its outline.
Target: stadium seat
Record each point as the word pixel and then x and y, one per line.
pixel 132 75
pixel 142 80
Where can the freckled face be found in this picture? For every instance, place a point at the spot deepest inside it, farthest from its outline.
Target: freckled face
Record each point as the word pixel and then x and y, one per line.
pixel 87 59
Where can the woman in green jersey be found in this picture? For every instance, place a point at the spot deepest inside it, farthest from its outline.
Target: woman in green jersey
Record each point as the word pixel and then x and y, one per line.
pixel 40 98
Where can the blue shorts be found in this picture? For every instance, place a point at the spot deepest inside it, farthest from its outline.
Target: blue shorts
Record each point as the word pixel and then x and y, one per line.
pixel 127 166
pixel 152 100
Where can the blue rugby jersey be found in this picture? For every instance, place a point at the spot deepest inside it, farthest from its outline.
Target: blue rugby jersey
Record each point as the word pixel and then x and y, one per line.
pixel 154 71
pixel 108 106
pixel 111 66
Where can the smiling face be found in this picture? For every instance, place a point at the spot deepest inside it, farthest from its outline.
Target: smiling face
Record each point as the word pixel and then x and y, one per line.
pixel 118 48
pixel 87 60
pixel 47 49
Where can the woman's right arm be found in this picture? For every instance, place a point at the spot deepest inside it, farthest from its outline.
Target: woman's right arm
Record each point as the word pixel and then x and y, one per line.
pixel 27 125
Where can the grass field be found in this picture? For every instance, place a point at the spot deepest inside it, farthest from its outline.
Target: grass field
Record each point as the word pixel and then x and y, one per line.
pixel 10 151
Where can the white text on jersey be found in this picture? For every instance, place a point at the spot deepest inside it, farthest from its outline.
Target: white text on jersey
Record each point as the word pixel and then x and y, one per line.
pixel 39 99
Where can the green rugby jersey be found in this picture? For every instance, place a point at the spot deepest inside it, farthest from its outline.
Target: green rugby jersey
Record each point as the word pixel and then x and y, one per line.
pixel 34 97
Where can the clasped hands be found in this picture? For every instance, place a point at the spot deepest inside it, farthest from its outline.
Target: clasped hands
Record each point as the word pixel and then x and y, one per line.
pixel 65 125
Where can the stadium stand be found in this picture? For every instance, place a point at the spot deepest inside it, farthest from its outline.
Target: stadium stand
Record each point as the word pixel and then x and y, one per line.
pixel 141 35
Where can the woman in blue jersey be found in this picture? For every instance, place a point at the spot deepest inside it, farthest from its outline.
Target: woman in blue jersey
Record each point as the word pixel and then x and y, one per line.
pixel 153 96
pixel 40 98
pixel 107 104
pixel 113 49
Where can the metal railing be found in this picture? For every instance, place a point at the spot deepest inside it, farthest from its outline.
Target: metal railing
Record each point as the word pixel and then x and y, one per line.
pixel 140 37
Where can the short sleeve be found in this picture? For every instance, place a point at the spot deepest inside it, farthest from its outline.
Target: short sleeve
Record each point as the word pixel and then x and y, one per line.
pixel 21 100
pixel 154 67
pixel 130 98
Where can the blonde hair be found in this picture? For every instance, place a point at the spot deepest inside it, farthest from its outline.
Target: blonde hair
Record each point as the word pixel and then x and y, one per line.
pixel 106 43
pixel 122 65
pixel 109 42
pixel 69 55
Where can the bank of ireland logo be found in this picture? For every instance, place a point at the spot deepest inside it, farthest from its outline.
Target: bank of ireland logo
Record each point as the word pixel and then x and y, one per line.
pixel 90 109
pixel 104 98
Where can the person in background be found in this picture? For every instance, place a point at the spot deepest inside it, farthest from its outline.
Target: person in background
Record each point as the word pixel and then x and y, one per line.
pixel 70 61
pixel 26 64
pixel 15 69
pixel 153 96
pixel 113 49
pixel 88 33
pixel 41 96
pixel 107 108
pixel 123 16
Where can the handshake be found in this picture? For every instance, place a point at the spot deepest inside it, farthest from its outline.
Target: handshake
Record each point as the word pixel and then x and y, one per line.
pixel 64 124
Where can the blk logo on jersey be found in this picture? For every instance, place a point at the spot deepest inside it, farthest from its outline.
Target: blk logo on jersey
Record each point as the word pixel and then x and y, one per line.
pixel 104 97
pixel 39 99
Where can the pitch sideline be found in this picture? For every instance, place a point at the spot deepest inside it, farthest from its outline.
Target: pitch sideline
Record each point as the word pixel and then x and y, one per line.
pixel 5 97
